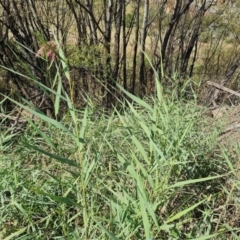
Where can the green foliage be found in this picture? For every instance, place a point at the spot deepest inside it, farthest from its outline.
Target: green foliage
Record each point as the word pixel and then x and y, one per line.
pixel 147 172
pixel 129 20
pixel 88 57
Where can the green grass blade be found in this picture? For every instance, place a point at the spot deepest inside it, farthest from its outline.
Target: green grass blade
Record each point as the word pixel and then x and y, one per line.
pixel 145 219
pixel 54 156
pixel 130 168
pixel 16 234
pixel 136 99
pixel 83 129
pixel 20 208
pixel 227 160
pixel 90 169
pixel 63 61
pixel 57 96
pixel 34 79
pixel 140 148
pixel 206 237
pixel 143 169
pixel 157 81
pixel 71 108
pixel 58 199
pixel 147 205
pixel 110 235
pixel 183 183
pixel 44 136
pixel 7 138
pixel 184 212
pixel 43 117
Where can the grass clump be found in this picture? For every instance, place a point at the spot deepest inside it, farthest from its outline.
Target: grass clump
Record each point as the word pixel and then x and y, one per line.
pixel 150 171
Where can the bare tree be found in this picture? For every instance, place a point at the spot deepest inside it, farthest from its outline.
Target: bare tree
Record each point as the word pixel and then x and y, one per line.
pixel 27 25
pixel 135 48
pixel 142 44
pixel 113 42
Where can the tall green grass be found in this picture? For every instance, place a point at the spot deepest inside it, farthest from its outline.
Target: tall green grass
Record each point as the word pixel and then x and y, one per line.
pixel 151 171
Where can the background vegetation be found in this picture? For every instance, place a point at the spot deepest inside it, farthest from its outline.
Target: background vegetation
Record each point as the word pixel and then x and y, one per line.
pixel 105 41
pixel 102 133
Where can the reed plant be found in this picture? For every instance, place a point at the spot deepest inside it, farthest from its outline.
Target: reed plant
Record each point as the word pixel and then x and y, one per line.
pixel 149 171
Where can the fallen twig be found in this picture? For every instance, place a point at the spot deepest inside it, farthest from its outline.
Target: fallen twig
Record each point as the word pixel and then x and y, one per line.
pixel 219 86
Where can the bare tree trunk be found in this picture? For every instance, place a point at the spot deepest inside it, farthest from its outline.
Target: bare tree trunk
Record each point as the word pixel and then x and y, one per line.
pixel 135 48
pixel 91 21
pixel 107 43
pixel 124 44
pixel 76 18
pixel 118 22
pixel 168 41
pixel 116 51
pixel 99 25
pixel 143 41
pixel 193 39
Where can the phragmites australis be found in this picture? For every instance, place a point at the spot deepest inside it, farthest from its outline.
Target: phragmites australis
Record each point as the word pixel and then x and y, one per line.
pixel 47 51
